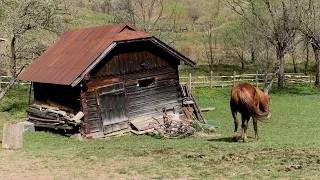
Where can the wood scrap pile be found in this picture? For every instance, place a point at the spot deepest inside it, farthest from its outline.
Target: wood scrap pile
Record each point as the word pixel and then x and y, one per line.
pixel 173 128
pixel 192 110
pixel 53 117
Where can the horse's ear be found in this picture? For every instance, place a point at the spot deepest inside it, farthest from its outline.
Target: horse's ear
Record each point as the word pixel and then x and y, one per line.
pixel 269 98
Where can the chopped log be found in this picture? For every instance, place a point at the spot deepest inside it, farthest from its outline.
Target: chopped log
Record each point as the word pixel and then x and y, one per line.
pixel 77 118
pixel 12 136
pixel 207 109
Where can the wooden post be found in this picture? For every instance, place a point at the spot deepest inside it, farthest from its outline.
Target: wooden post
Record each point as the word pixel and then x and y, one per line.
pixel 211 79
pixel 0 83
pixel 257 80
pixel 190 81
pixel 310 80
pixel 12 136
pixel 234 78
pixel 29 95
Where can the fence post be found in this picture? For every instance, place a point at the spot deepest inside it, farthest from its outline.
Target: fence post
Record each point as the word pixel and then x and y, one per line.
pixel 234 78
pixel 257 80
pixel 190 81
pixel 0 83
pixel 310 80
pixel 211 79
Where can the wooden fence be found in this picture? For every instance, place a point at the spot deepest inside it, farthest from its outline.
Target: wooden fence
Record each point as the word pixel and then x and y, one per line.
pixel 218 81
pixel 4 80
pixel 255 79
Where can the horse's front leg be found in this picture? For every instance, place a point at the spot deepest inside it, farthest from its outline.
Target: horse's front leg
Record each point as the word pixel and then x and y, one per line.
pixel 245 120
pixel 236 122
pixel 255 127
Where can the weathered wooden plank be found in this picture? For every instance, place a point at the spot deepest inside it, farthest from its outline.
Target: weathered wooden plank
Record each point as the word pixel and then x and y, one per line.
pixel 150 101
pixel 165 91
pixel 143 110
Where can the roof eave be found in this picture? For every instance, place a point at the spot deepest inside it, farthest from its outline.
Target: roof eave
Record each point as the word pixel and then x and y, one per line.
pixel 183 60
pixel 93 64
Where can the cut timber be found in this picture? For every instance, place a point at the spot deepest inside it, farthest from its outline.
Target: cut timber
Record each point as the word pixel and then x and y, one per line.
pixel 207 109
pixel 146 123
pixel 12 136
pixel 121 132
pixel 78 117
pixel 143 132
pixel 61 107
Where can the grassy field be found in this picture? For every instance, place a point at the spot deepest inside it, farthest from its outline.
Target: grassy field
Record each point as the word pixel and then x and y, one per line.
pixel 289 147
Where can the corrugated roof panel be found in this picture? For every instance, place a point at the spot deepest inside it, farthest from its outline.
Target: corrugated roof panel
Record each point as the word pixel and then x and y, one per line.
pixel 68 58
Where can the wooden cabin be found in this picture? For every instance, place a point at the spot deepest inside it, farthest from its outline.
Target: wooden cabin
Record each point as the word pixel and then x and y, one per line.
pixel 118 76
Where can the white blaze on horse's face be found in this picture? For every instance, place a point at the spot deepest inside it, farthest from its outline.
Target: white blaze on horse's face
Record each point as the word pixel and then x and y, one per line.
pixel 269 101
pixel 269 115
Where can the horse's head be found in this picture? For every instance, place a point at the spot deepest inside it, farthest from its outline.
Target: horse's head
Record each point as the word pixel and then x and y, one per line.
pixel 268 102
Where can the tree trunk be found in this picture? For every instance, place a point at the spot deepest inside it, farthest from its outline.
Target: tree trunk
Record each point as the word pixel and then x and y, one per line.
pixel 294 63
pixel 5 90
pixel 13 60
pixel 13 68
pixel 280 59
pixel 316 55
pixel 253 55
pixel 307 61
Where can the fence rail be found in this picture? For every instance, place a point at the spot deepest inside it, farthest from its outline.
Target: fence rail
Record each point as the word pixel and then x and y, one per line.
pixel 6 80
pixel 217 81
pixel 256 79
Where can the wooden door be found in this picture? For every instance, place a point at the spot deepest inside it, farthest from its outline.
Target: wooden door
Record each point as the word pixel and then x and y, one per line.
pixel 112 104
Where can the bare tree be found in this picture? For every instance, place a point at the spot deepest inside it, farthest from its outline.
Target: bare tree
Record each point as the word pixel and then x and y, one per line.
pixel 309 17
pixel 194 15
pixel 22 24
pixel 156 17
pixel 274 21
pixel 209 40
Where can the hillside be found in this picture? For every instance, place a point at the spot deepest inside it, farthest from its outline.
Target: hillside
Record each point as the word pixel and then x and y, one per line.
pixel 230 51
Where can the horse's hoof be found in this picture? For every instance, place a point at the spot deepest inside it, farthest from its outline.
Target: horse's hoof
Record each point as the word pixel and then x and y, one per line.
pixel 235 139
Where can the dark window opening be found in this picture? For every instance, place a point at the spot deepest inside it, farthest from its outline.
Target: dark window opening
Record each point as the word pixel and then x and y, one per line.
pixel 146 82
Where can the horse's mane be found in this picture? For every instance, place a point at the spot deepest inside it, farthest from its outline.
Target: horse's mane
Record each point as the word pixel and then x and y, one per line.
pixel 249 102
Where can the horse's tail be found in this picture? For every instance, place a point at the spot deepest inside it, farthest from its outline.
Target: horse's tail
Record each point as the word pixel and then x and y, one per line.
pixel 248 102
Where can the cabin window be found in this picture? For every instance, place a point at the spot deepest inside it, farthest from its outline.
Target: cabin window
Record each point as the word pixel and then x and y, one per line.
pixel 146 82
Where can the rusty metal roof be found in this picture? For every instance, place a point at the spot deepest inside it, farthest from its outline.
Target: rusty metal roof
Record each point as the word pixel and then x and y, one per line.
pixel 78 51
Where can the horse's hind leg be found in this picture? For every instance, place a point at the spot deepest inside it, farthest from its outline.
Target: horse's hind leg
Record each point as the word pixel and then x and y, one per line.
pixel 245 120
pixel 235 134
pixel 255 127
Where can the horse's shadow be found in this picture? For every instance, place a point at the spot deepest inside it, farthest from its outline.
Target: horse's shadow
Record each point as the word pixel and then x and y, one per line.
pixel 227 139
pixel 223 139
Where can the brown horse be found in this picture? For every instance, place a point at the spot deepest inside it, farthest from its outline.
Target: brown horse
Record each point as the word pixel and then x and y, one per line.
pixel 249 101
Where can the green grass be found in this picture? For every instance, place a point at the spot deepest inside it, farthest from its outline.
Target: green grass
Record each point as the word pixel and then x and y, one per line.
pixel 289 145
pixel 13 105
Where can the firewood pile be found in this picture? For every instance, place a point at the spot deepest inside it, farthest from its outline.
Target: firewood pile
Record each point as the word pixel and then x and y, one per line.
pixel 46 116
pixel 173 129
